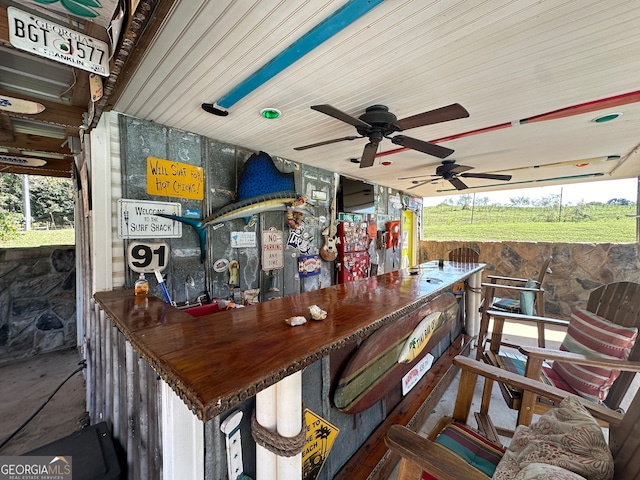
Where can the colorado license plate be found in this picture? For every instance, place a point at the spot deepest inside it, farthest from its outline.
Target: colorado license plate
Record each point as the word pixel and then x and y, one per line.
pixel 56 42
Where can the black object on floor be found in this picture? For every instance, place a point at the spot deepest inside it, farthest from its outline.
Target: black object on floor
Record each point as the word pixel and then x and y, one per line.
pixel 92 451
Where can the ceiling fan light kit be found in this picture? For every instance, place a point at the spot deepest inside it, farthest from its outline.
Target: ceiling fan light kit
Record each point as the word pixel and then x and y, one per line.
pixel 378 123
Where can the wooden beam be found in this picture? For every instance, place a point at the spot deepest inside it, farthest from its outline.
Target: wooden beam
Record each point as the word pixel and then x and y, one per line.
pixel 36 143
pixel 6 131
pixel 56 113
pixel 4 25
pixel 48 172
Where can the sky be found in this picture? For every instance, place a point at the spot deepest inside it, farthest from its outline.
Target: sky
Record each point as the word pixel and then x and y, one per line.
pixel 600 191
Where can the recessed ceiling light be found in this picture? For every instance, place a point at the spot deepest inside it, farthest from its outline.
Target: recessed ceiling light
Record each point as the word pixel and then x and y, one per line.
pixel 270 113
pixel 606 118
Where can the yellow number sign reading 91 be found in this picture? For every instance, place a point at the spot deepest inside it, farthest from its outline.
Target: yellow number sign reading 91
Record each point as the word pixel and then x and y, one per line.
pixel 320 437
pixel 174 179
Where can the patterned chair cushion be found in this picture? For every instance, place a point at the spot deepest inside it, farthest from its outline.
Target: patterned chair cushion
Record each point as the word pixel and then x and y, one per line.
pixel 472 447
pixel 593 335
pixel 567 438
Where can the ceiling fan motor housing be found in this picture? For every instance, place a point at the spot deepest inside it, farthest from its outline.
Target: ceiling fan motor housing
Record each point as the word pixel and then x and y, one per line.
pixel 382 121
pixel 445 170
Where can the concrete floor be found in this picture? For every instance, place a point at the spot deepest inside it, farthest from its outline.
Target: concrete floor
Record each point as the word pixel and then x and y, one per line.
pixel 24 387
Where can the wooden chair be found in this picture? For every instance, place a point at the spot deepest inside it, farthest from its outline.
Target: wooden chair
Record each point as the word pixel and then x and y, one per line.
pixel 515 286
pixel 464 255
pixel 419 454
pixel 618 303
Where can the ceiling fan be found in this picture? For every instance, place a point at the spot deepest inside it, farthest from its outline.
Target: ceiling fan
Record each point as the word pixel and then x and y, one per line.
pixel 378 122
pixel 451 171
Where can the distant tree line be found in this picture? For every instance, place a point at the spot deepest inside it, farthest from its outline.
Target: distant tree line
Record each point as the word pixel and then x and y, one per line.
pixel 49 196
pixel 551 201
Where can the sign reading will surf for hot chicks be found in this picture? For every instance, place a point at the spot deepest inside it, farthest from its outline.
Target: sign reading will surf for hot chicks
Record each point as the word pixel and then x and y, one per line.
pixel 174 179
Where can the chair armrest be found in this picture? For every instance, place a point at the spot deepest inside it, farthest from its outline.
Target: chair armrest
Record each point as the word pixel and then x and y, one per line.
pixel 429 456
pixel 563 356
pixel 534 386
pixel 510 279
pixel 528 318
pixel 498 286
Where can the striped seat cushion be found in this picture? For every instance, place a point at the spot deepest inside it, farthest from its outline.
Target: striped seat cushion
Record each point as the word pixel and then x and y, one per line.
pixel 472 447
pixel 516 363
pixel 593 335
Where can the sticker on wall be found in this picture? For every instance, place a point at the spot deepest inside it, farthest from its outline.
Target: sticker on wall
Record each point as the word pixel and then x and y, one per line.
pixel 312 222
pixel 414 375
pixel 320 437
pixel 272 250
pixel 319 195
pixel 243 240
pixel 349 217
pixel 174 179
pixel 299 239
pixel 309 265
pixel 221 265
pixel 192 213
pixel 139 219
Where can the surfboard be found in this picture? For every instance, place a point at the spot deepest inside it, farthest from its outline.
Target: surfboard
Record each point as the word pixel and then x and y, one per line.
pixel 18 105
pixel 374 368
pixel 23 161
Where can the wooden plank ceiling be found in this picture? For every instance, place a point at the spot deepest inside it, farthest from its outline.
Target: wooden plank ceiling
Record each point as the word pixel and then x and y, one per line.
pixel 532 75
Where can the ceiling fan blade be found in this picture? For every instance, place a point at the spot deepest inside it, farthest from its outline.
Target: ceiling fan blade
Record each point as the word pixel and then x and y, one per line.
pixel 456 182
pixel 417 176
pixel 422 146
pixel 340 115
pixel 368 155
pixel 443 114
pixel 327 142
pixel 488 176
pixel 461 168
pixel 419 184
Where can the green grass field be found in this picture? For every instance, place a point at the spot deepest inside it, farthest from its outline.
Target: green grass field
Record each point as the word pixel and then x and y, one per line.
pixel 583 223
pixel 36 238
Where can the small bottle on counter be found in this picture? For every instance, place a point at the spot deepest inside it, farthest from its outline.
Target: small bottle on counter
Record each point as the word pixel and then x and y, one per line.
pixel 141 287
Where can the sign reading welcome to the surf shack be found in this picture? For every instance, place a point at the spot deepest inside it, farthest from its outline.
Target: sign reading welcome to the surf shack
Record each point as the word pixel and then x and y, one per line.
pixel 139 219
pixel 174 179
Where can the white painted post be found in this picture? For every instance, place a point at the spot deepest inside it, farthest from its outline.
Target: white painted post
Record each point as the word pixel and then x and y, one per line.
pixel 266 417
pixel 289 423
pixel 472 326
pixel 26 202
pixel 182 439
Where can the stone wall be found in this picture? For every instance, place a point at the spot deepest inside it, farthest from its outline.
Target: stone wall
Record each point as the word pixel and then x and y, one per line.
pixel 37 301
pixel 577 268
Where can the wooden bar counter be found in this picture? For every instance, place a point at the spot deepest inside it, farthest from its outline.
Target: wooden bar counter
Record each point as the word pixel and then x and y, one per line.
pixel 219 360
